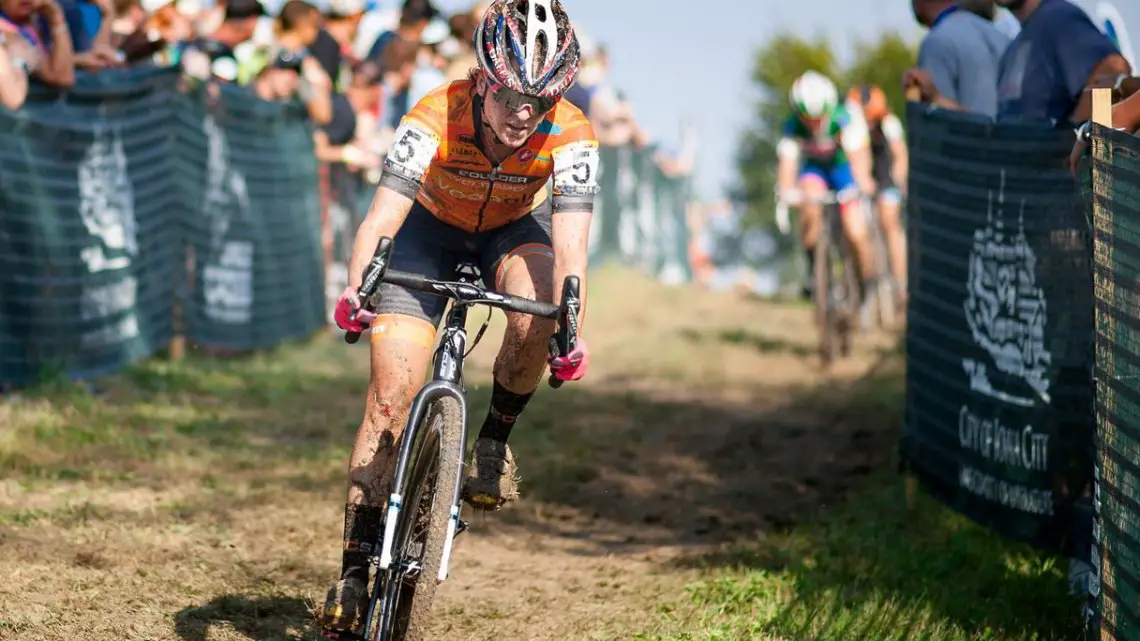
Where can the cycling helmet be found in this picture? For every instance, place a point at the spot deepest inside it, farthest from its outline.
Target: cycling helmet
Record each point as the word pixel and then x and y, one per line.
pixel 529 46
pixel 872 99
pixel 814 96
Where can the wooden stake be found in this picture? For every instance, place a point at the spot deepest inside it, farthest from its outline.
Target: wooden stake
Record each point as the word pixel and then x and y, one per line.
pixel 1102 107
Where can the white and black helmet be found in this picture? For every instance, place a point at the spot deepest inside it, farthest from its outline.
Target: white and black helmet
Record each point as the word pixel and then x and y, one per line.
pixel 529 46
pixel 814 95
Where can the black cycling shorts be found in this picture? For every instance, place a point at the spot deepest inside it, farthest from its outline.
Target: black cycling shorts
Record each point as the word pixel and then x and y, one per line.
pixel 428 246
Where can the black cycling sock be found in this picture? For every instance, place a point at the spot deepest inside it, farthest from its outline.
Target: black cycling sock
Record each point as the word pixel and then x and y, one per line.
pixel 362 524
pixel 809 256
pixel 505 408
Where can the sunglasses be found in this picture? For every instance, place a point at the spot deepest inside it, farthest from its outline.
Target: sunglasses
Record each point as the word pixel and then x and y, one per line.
pixel 514 100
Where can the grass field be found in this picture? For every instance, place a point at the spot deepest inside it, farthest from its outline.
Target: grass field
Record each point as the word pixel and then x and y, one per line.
pixel 705 482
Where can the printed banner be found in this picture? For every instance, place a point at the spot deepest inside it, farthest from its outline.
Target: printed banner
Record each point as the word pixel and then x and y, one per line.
pixel 998 415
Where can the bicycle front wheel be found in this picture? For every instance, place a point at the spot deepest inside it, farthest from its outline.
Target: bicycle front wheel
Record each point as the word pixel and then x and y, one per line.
pixel 405 591
pixel 825 310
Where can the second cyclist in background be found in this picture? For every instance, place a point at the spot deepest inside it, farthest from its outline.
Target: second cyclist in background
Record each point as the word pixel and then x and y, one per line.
pixel 889 170
pixel 832 144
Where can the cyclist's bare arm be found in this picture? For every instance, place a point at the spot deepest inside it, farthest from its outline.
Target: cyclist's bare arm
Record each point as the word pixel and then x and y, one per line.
pixel 413 148
pixel 857 144
pixel 788 153
pixel 385 217
pixel 896 138
pixel 575 186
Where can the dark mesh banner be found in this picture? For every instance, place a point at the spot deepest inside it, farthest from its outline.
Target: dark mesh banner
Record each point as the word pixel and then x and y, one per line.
pixel 253 231
pixel 88 225
pixel 999 413
pixel 1116 215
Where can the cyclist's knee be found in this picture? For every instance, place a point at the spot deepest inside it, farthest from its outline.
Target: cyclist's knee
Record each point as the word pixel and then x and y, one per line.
pixel 528 271
pixel 813 186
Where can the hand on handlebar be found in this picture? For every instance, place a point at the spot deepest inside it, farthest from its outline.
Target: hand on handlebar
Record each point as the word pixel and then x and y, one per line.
pixel 349 315
pixel 573 366
pixel 791 197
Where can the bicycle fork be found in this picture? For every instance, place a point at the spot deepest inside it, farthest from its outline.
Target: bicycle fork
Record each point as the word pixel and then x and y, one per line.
pixel 431 392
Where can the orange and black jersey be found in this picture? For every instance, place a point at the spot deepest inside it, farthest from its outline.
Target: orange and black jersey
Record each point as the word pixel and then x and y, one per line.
pixel 436 158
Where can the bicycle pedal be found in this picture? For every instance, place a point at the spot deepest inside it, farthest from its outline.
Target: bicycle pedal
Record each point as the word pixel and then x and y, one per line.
pixel 461 528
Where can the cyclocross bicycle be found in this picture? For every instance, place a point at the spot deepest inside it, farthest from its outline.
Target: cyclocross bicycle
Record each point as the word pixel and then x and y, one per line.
pixel 836 291
pixel 422 519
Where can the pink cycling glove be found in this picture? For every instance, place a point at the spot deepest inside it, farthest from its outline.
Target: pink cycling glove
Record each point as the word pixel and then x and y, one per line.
pixel 347 304
pixel 574 365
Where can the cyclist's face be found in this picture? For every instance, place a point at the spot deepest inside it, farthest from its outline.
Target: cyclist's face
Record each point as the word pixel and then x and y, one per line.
pixel 514 118
pixel 814 124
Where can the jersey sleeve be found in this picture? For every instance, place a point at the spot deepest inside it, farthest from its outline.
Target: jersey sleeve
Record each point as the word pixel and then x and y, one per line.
pixel 415 144
pixel 788 147
pixel 893 129
pixel 853 131
pixel 575 174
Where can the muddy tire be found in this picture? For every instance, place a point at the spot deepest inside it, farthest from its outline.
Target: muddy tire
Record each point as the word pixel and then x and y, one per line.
pixel 404 610
pixel 825 311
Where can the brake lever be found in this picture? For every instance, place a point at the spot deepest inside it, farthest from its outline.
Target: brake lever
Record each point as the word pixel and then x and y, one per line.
pixel 565 340
pixel 370 283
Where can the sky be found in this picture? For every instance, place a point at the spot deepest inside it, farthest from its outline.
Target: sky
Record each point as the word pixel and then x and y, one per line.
pixel 678 59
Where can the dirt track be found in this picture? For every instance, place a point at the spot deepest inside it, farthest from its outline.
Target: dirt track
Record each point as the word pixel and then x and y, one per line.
pixel 188 510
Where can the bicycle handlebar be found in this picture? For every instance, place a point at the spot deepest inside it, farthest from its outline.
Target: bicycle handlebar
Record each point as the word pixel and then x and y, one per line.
pixel 563 342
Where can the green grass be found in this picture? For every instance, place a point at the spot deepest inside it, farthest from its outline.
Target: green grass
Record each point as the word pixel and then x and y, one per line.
pixel 873 569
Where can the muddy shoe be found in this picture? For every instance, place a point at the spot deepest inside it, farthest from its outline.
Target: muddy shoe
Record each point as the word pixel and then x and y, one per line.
pixel 492 483
pixel 344 605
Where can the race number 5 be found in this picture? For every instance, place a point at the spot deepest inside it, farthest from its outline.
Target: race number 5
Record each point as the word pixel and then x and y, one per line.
pixel 576 167
pixel 412 149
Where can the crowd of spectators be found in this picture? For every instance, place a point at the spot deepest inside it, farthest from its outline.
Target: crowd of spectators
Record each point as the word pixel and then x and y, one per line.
pixel 357 67
pixel 1042 69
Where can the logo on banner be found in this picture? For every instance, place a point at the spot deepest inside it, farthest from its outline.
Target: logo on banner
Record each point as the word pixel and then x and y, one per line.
pixel 227 276
pixel 107 209
pixel 1108 18
pixel 1005 309
pixel 107 204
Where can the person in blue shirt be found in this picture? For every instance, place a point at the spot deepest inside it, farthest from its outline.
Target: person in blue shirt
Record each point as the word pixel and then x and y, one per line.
pixel 1056 56
pixel 958 60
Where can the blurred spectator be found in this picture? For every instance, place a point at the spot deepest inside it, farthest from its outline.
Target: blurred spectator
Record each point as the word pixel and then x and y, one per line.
pixel 414 18
pixel 41 24
pixel 375 21
pixel 429 62
pixel 291 77
pixel 608 110
pixel 295 74
pixel 17 59
pixel 463 27
pixel 396 69
pixel 129 17
pixel 90 23
pixel 1056 56
pixel 214 54
pixel 334 43
pixel 958 60
pixel 161 34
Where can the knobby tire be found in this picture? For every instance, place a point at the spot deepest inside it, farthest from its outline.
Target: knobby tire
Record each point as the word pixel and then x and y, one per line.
pixel 401 609
pixel 824 296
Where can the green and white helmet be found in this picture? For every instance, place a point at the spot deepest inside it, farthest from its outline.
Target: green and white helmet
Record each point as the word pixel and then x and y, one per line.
pixel 814 95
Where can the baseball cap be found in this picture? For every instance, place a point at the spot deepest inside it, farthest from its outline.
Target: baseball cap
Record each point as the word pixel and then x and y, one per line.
pixel 435 32
pixel 150 6
pixel 346 8
pixel 241 9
